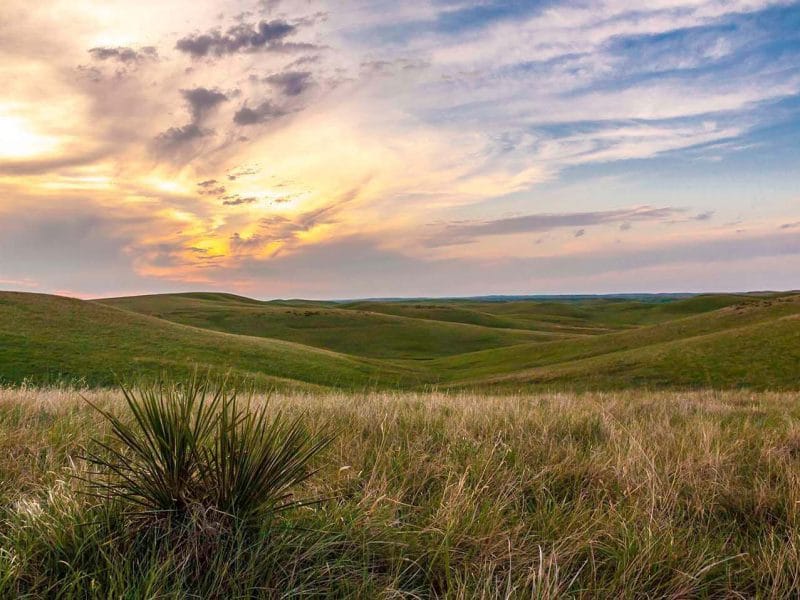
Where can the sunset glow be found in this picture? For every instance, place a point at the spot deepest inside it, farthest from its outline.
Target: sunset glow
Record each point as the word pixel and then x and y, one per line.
pixel 326 149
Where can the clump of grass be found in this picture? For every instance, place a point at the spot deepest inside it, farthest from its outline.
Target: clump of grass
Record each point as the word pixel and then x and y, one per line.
pixel 195 448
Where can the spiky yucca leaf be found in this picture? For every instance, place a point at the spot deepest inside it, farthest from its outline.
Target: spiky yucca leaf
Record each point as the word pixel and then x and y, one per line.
pixel 152 460
pixel 256 459
pixel 195 447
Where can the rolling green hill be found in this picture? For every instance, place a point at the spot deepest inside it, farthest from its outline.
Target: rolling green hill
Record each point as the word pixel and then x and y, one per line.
pixel 580 317
pixel 507 361
pixel 725 341
pixel 47 338
pixel 762 355
pixel 358 332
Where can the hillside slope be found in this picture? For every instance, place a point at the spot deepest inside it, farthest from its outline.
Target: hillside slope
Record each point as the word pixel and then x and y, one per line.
pixel 719 341
pixel 763 355
pixel 51 337
pixel 503 361
pixel 358 332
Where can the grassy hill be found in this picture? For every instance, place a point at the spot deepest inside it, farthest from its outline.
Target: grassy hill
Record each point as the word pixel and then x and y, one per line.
pixel 46 338
pixel 727 341
pixel 354 331
pixel 763 355
pixel 578 317
pixel 748 311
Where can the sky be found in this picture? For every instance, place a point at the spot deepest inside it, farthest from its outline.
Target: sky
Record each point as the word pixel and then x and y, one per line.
pixel 353 148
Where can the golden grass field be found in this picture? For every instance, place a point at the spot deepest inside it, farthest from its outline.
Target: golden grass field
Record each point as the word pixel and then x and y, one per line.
pixel 624 494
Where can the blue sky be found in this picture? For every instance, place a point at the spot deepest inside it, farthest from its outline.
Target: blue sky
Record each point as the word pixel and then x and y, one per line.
pixel 417 148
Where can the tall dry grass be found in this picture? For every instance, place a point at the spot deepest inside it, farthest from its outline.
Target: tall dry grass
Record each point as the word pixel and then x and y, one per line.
pixel 633 494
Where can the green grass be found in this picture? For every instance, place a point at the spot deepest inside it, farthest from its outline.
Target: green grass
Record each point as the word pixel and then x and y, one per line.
pixel 615 495
pixel 758 356
pixel 724 341
pixel 357 332
pixel 754 343
pixel 50 338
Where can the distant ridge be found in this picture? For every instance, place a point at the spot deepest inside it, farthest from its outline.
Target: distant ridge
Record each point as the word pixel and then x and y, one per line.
pixel 647 297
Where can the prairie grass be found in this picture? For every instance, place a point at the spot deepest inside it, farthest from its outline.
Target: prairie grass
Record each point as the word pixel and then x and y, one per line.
pixel 629 494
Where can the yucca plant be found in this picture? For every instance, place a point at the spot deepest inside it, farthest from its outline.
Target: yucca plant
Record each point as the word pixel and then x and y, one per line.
pixel 195 448
pixel 255 459
pixel 151 460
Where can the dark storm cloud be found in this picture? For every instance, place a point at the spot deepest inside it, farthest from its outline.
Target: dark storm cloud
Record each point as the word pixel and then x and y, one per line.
pixel 124 54
pixel 466 232
pixel 291 83
pixel 202 100
pixel 266 111
pixel 240 38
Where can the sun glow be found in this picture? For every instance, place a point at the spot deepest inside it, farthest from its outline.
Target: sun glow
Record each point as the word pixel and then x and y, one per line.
pixel 170 187
pixel 18 139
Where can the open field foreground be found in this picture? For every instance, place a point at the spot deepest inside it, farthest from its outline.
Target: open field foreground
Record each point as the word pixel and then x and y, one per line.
pixel 623 494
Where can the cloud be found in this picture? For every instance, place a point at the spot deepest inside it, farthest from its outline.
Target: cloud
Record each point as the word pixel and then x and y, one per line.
pixel 239 243
pixel 392 67
pixel 699 217
pixel 466 232
pixel 790 225
pixel 359 266
pixel 213 191
pixel 42 166
pixel 240 38
pixel 124 54
pixel 266 111
pixel 580 233
pixel 286 229
pixel 202 100
pixel 181 135
pixel 236 200
pixel 268 6
pixel 291 83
